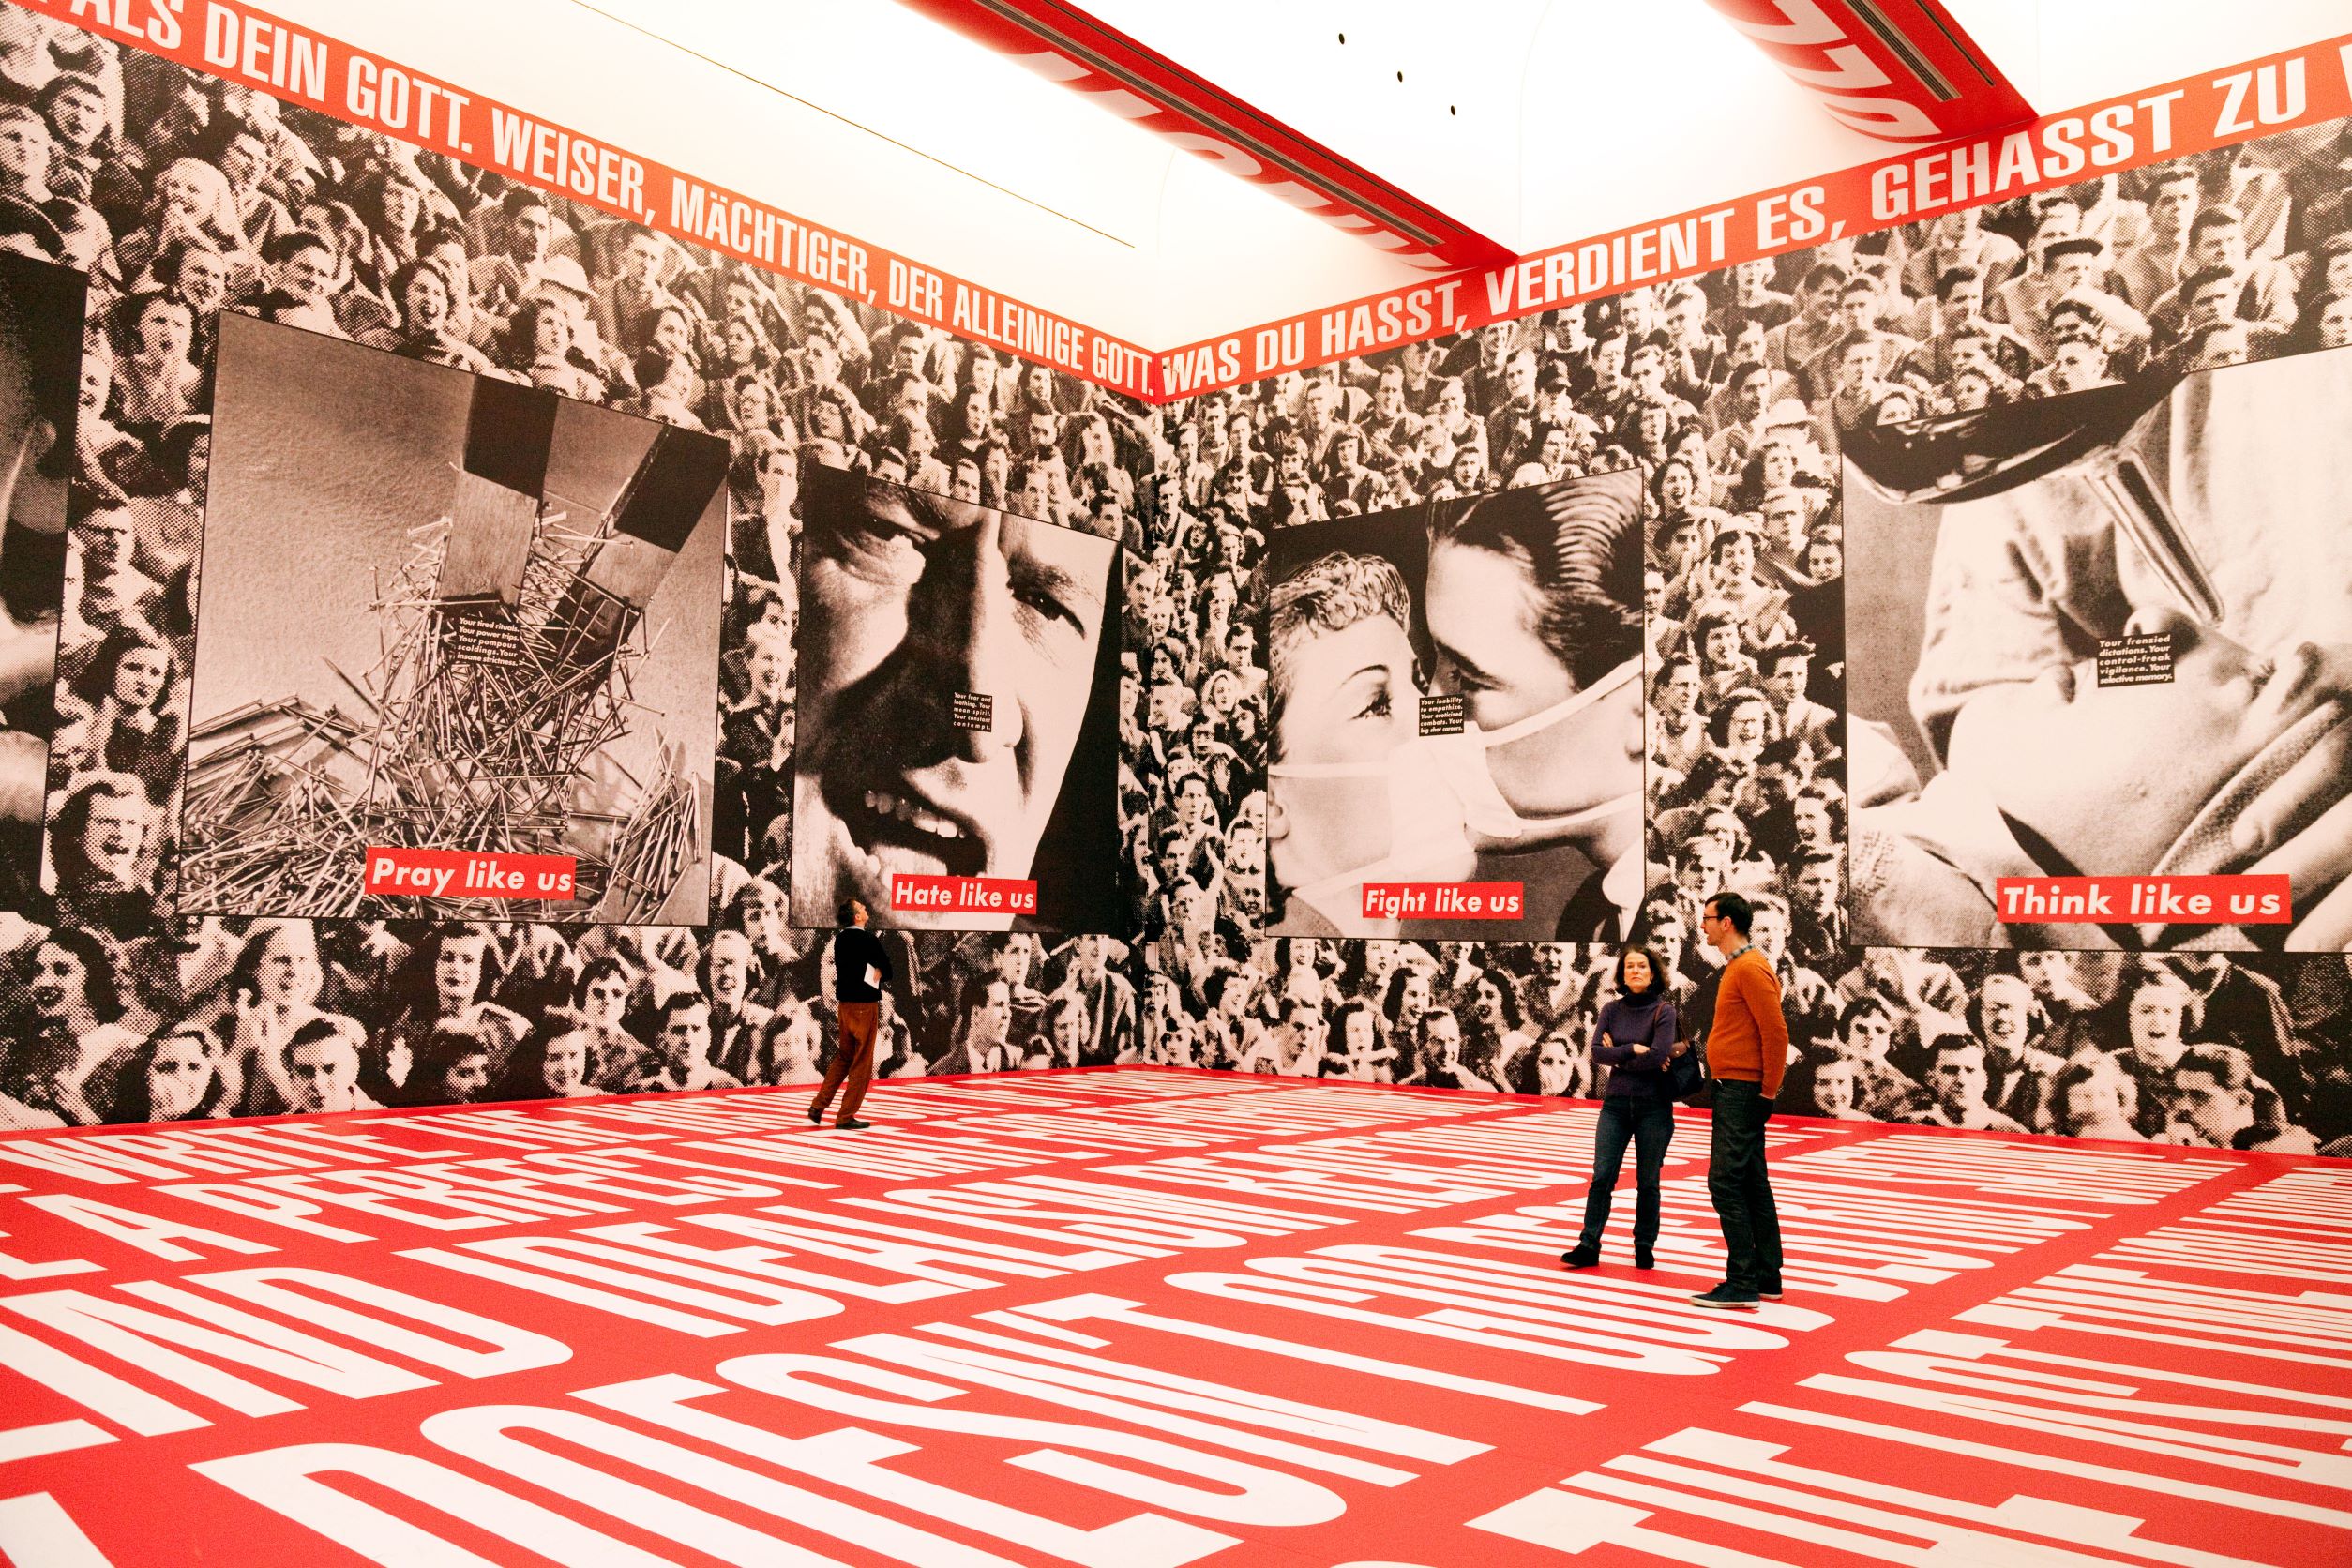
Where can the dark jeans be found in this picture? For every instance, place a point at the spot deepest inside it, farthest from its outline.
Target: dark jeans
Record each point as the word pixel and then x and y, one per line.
pixel 1649 1125
pixel 1735 1180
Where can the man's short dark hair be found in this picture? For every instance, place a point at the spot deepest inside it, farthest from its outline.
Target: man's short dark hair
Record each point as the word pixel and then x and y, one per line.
pixel 2230 1068
pixel 1731 907
pixel 2205 279
pixel 2213 218
pixel 848 911
pixel 1947 1045
pixel 292 244
pixel 678 1002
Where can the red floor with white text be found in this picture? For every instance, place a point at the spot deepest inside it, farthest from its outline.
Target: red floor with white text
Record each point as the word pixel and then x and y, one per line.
pixel 1140 1318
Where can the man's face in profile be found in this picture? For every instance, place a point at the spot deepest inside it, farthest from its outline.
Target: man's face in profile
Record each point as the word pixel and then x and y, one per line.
pixel 909 600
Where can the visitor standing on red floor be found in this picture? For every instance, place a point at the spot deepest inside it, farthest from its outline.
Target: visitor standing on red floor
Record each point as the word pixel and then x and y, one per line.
pixel 1747 1051
pixel 861 967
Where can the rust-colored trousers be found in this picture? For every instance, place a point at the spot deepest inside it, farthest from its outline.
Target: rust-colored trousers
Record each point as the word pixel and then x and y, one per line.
pixel 852 1066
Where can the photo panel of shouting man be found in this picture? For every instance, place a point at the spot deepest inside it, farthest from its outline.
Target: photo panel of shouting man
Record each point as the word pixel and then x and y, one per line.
pixel 2105 634
pixel 444 611
pixel 956 688
pixel 1457 712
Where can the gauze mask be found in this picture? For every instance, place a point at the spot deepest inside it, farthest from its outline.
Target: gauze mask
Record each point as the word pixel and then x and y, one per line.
pixel 1438 798
pixel 1470 759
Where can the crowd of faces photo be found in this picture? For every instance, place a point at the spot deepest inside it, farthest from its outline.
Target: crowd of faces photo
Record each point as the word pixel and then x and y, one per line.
pixel 181 197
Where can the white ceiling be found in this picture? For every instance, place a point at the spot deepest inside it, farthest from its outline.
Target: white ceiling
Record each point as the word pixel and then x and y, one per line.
pixel 1537 121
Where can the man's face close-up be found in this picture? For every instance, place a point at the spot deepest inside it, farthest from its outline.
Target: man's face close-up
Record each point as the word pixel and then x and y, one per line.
pixel 324 1074
pixel 909 600
pixel 117 832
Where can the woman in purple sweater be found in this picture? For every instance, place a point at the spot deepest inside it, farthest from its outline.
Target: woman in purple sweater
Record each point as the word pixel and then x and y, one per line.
pixel 1634 1040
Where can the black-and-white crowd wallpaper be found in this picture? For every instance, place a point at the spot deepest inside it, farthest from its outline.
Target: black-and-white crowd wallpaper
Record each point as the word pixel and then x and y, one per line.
pixel 1654 500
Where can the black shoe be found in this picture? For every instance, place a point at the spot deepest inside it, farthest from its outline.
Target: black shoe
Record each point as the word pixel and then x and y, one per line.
pixel 816 1115
pixel 1770 1290
pixel 1643 1259
pixel 1582 1257
pixel 851 1125
pixel 1726 1297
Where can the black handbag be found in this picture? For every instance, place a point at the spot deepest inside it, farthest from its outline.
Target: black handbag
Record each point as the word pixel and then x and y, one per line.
pixel 1686 1074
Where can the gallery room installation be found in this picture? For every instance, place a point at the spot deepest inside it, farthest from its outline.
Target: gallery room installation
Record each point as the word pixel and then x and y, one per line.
pixel 486 603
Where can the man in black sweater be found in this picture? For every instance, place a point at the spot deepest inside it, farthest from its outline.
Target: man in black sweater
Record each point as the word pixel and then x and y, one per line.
pixel 861 966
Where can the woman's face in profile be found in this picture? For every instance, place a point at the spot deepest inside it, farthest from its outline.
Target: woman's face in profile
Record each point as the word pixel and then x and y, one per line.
pixel 1352 697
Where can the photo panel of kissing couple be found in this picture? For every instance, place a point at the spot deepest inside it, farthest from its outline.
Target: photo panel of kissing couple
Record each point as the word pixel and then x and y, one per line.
pixel 1456 698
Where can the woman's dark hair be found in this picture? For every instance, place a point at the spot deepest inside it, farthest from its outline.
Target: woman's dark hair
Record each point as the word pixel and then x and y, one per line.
pixel 1348 1009
pixel 525 1078
pixel 102 963
pixel 1709 769
pixel 407 273
pixel 1392 994
pixel 521 349
pixel 1657 973
pixel 96 681
pixel 132 1102
pixel 596 970
pixel 448 1045
pixel 418 985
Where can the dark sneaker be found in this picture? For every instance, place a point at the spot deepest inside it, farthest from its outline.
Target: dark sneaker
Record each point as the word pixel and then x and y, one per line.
pixel 851 1125
pixel 1770 1290
pixel 1726 1297
pixel 1642 1259
pixel 1582 1257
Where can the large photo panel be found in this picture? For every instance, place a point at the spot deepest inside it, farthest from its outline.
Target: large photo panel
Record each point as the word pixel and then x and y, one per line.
pixel 447 611
pixel 956 690
pixel 1455 725
pixel 2107 634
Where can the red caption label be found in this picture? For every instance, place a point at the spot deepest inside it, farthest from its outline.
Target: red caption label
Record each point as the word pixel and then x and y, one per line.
pixel 1444 900
pixel 2144 901
pixel 964 894
pixel 469 874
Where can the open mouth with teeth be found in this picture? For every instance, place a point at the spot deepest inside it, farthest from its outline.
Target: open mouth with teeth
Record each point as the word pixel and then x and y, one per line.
pixel 909 835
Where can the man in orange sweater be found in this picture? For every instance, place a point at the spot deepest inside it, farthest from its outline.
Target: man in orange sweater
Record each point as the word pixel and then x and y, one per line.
pixel 1747 1051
